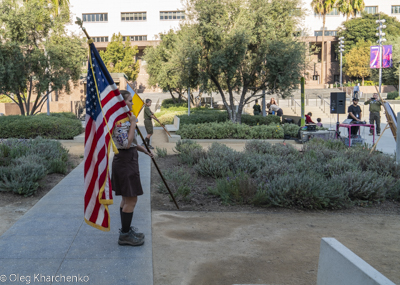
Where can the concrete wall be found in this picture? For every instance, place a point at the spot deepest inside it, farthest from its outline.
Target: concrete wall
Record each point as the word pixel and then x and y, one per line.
pixel 339 265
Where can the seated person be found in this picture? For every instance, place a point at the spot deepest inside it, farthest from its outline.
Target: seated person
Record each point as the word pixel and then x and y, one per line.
pixel 308 118
pixel 319 124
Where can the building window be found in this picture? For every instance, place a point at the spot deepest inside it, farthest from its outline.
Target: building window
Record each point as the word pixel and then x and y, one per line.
pixel 395 9
pixel 134 38
pixel 95 17
pixel 371 9
pixel 177 15
pixel 333 12
pixel 137 16
pixel 327 33
pixel 100 39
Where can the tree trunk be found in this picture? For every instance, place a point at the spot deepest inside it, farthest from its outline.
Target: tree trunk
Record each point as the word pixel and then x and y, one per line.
pixel 323 50
pixel 362 80
pixel 172 96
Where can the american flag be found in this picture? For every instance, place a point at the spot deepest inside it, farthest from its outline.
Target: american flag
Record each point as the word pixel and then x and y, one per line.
pixel 98 192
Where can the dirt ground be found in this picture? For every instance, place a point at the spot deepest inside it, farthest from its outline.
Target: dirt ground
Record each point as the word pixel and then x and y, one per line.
pixel 206 242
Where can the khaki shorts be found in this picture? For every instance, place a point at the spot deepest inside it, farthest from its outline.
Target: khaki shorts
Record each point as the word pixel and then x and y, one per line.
pixel 148 124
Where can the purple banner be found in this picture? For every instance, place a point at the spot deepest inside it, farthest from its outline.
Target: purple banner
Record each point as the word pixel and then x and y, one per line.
pixel 386 57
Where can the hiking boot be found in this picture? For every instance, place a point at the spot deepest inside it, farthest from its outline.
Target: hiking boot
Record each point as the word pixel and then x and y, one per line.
pixel 129 239
pixel 371 134
pixel 136 234
pixel 150 146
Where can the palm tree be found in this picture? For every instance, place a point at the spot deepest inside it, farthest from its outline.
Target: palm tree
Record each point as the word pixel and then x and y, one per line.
pixel 350 7
pixel 323 7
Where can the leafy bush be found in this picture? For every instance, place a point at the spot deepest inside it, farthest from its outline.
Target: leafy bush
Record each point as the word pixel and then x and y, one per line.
pixel 189 151
pixel 235 188
pixel 325 175
pixel 52 127
pixel 22 178
pixel 392 95
pixel 260 120
pixel 68 115
pixel 291 130
pixel 25 162
pixel 228 130
pixel 166 103
pixel 310 191
pixel 161 152
pixel 179 182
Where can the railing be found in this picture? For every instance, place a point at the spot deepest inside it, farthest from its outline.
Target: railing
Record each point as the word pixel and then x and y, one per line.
pixel 323 104
pixel 294 104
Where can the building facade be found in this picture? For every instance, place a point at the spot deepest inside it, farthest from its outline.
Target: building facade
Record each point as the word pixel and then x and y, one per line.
pixel 143 21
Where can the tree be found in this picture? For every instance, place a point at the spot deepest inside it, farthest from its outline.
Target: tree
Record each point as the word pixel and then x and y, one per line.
pixel 322 8
pixel 243 48
pixel 162 69
pixel 36 55
pixel 120 57
pixel 350 7
pixel 357 61
pixel 364 29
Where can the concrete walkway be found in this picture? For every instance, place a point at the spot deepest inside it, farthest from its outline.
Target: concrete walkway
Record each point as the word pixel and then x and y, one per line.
pixel 52 243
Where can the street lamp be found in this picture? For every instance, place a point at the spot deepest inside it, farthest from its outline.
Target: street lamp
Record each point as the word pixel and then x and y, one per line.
pixel 381 40
pixel 341 50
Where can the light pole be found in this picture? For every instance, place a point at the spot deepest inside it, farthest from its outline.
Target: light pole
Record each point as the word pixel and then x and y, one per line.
pixel 341 50
pixel 381 40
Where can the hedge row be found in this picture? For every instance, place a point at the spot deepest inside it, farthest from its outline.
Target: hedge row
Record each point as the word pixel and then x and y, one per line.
pixel 204 115
pixel 56 126
pixel 229 130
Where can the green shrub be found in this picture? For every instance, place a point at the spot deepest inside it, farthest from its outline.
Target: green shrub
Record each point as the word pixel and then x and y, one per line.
pixel 166 103
pixel 310 191
pixel 392 95
pixel 25 162
pixel 236 188
pixel 231 130
pixel 52 127
pixel 22 178
pixel 179 182
pixel 260 120
pixel 189 151
pixel 161 152
pixel 68 115
pixel 219 161
pixel 365 185
pixel 291 130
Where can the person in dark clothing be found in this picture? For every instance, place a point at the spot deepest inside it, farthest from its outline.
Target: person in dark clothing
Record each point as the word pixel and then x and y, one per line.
pixel 354 113
pixel 256 109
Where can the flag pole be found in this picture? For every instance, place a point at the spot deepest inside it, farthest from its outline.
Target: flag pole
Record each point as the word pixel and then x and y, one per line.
pixel 155 164
pixel 162 126
pixel 79 23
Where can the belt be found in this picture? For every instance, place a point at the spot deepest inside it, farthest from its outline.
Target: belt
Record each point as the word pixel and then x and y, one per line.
pixel 147 119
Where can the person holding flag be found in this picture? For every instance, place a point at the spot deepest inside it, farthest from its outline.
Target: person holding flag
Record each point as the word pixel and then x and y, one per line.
pixel 107 113
pixel 125 174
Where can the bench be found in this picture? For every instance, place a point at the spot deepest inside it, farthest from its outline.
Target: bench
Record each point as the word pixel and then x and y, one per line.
pixel 175 126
